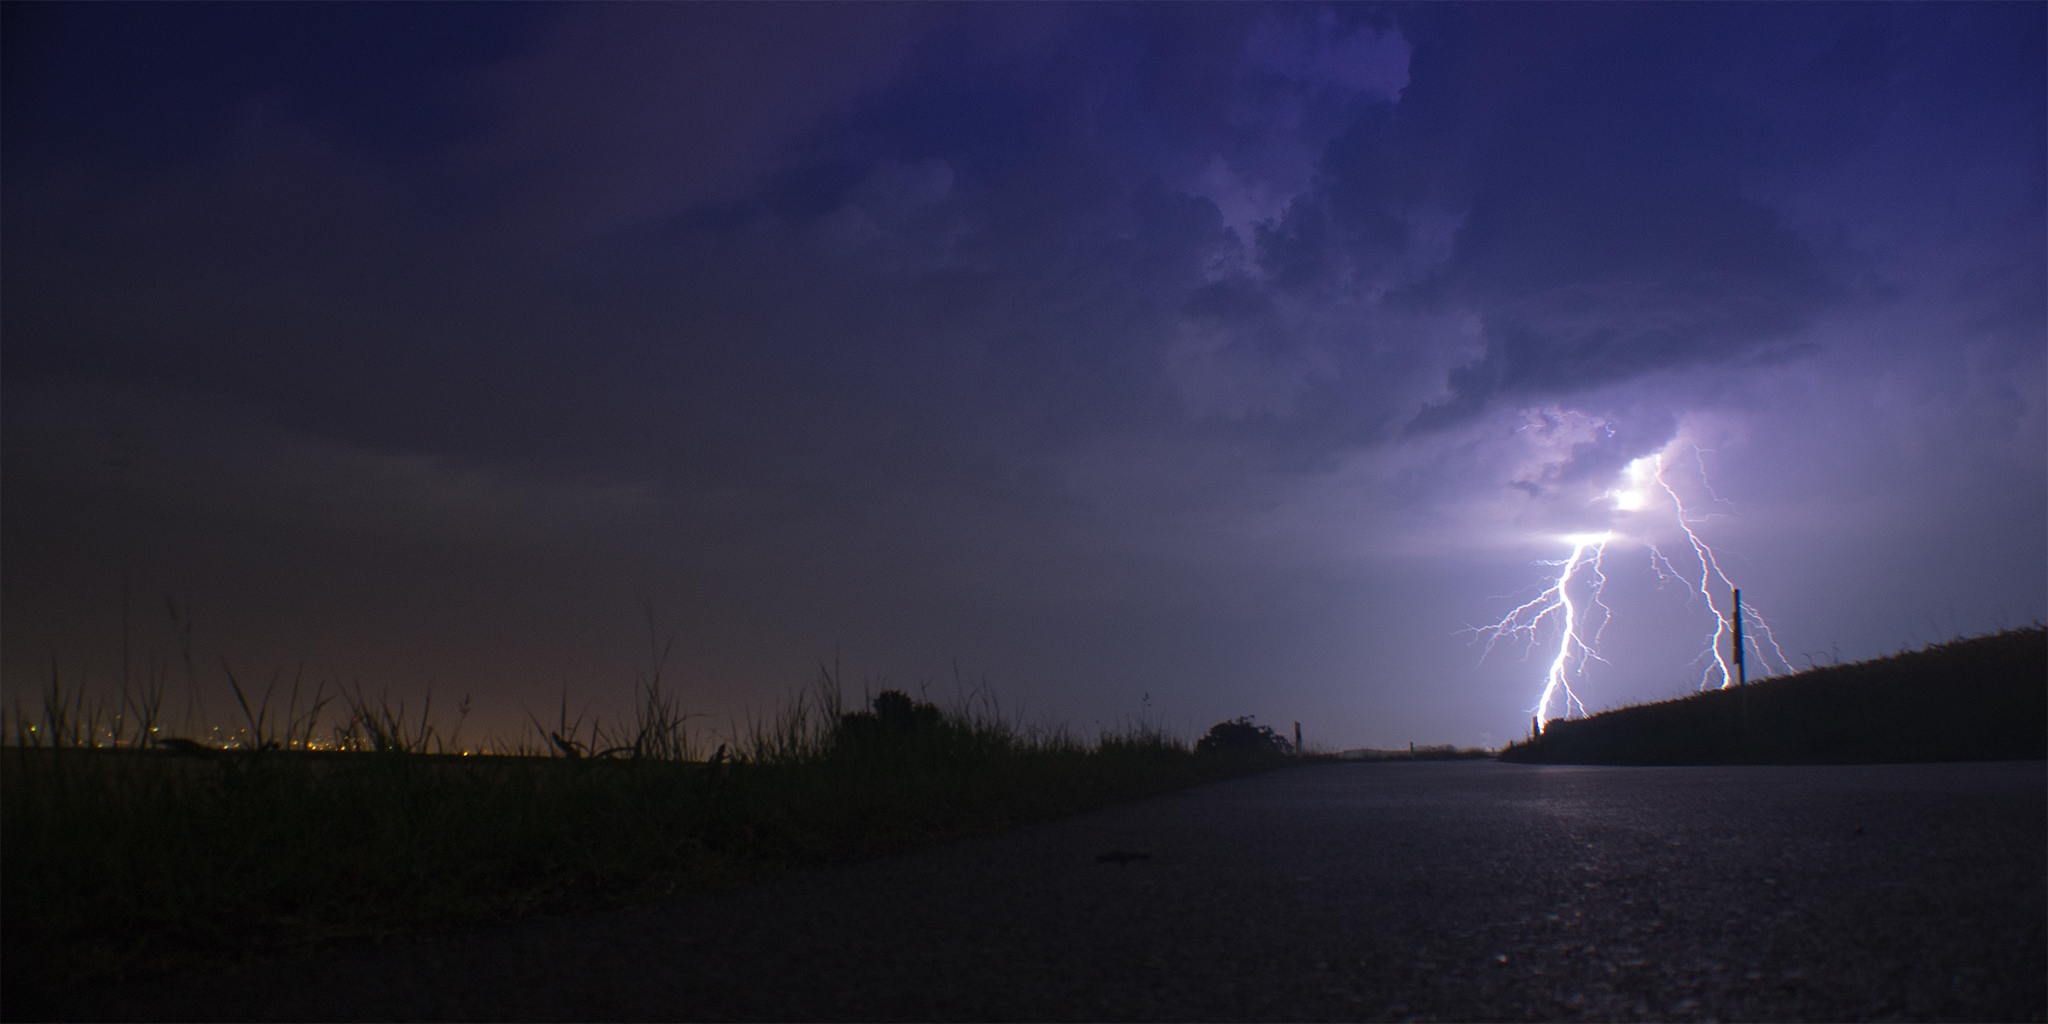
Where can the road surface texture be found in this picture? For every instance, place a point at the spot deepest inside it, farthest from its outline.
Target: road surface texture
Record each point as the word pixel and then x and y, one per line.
pixel 1390 891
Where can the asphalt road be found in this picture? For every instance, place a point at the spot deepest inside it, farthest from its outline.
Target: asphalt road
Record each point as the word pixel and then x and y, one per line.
pixel 1445 891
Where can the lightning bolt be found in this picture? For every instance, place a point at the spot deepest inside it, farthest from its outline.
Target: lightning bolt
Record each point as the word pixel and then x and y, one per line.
pixel 1581 620
pixel 1715 656
pixel 1574 647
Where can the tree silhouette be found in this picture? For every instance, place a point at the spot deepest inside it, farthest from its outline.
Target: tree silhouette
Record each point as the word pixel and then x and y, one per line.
pixel 1241 738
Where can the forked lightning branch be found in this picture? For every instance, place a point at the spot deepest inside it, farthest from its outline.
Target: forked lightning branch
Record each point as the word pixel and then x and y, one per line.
pixel 1569 611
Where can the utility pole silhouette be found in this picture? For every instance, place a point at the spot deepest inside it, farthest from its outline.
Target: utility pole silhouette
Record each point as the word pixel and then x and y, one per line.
pixel 1741 671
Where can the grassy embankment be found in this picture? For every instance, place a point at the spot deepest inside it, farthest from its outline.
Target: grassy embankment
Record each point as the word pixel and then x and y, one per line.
pixel 117 857
pixel 1980 699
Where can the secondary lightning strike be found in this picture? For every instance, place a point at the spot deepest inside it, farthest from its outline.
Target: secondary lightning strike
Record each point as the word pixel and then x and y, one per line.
pixel 1717 652
pixel 1573 648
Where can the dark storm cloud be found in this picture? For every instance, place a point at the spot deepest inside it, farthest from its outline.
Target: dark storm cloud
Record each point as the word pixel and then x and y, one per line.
pixel 949 247
pixel 193 456
pixel 1307 230
pixel 130 89
pixel 1603 231
pixel 966 249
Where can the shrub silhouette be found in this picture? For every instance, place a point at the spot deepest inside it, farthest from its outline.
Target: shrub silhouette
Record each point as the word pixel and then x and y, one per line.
pixel 895 718
pixel 1240 738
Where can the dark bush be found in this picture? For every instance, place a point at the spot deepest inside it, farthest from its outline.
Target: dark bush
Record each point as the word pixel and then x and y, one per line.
pixel 1241 738
pixel 895 717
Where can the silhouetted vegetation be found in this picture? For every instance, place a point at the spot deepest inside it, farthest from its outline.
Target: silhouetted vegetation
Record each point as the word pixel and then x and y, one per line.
pixel 120 851
pixel 895 720
pixel 1980 699
pixel 1241 739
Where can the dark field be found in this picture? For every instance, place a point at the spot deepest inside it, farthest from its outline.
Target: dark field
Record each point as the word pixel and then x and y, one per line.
pixel 116 860
pixel 1451 891
pixel 1981 699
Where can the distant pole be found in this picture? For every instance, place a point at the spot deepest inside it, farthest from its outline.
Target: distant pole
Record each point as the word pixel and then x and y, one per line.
pixel 1741 670
pixel 1297 737
pixel 1535 730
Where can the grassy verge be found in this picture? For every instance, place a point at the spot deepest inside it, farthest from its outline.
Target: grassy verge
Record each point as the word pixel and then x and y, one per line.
pixel 1980 699
pixel 118 857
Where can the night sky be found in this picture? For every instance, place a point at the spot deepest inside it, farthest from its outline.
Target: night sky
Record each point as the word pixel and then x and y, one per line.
pixel 1181 361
